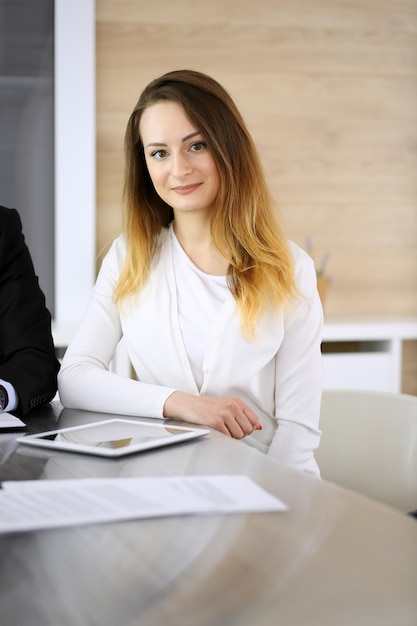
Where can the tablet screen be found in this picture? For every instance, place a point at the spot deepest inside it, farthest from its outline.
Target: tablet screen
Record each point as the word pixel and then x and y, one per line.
pixel 113 437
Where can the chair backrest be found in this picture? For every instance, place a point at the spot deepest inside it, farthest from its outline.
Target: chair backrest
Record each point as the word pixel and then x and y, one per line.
pixel 369 444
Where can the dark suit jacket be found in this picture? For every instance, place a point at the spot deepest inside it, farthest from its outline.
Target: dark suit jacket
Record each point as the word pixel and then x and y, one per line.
pixel 27 355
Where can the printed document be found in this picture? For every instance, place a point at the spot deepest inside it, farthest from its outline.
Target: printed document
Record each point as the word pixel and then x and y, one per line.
pixel 8 421
pixel 40 504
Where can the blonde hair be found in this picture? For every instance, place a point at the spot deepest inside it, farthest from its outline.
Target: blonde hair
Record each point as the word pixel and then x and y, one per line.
pixel 244 226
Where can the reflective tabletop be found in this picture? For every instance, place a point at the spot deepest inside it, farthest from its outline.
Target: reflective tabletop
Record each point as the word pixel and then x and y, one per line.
pixel 333 558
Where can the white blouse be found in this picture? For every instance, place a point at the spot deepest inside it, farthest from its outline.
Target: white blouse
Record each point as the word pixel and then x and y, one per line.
pixel 199 297
pixel 278 373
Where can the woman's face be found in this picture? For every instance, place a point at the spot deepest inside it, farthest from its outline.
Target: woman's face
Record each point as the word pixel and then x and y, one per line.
pixel 180 165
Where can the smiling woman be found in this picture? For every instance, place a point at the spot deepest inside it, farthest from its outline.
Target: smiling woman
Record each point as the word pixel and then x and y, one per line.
pixel 179 163
pixel 219 312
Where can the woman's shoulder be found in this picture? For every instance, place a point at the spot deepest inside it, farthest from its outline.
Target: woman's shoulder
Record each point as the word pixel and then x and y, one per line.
pixel 118 245
pixel 300 257
pixel 304 269
pixel 116 253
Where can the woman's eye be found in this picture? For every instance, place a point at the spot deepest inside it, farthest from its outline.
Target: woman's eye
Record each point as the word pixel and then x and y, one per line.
pixel 198 146
pixel 159 154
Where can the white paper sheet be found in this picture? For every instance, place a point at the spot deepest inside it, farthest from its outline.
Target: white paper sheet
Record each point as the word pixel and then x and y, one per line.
pixel 8 421
pixel 34 505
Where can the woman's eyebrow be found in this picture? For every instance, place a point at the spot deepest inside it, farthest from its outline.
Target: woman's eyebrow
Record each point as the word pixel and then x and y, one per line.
pixel 191 135
pixel 154 144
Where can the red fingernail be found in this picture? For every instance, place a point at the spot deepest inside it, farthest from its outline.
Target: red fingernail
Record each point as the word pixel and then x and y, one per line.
pixel 259 427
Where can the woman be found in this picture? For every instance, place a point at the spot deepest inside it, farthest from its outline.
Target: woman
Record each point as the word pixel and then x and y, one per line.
pixel 219 313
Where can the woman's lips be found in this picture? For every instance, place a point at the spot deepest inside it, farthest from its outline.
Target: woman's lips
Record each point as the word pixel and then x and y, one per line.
pixel 184 189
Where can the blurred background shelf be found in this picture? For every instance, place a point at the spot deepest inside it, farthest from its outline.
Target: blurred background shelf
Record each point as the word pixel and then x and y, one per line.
pixel 366 352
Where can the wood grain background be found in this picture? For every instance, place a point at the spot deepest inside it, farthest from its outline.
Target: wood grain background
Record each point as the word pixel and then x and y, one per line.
pixel 329 92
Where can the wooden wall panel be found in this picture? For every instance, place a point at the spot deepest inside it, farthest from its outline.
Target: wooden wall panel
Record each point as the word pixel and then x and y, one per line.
pixel 409 369
pixel 329 91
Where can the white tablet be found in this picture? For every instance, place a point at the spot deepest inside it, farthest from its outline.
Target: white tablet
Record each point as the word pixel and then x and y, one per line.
pixel 113 437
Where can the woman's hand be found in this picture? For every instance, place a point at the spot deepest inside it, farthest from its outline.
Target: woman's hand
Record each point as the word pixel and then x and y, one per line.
pixel 230 416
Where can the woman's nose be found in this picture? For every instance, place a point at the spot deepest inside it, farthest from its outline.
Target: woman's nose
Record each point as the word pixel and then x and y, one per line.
pixel 180 165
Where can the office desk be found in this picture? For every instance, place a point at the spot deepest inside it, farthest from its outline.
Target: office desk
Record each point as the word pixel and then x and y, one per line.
pixel 335 558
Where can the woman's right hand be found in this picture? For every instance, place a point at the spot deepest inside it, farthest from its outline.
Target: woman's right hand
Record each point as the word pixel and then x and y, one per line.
pixel 230 416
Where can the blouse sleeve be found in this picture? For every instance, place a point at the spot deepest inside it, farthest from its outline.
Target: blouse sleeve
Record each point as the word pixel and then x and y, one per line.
pixel 85 381
pixel 299 369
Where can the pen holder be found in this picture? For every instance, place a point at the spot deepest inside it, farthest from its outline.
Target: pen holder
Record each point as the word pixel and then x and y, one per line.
pixel 322 285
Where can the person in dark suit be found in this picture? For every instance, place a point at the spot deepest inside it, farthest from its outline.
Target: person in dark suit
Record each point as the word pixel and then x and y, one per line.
pixel 28 366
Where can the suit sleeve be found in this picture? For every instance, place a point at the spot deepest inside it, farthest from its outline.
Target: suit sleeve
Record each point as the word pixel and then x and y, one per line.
pixel 27 354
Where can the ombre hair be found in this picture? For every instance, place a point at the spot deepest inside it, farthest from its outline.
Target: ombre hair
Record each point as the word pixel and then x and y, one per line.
pixel 244 226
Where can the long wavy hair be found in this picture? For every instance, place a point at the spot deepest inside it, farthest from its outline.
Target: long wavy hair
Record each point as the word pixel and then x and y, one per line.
pixel 244 225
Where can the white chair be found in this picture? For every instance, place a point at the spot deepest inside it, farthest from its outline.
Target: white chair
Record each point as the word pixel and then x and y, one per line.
pixel 369 444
